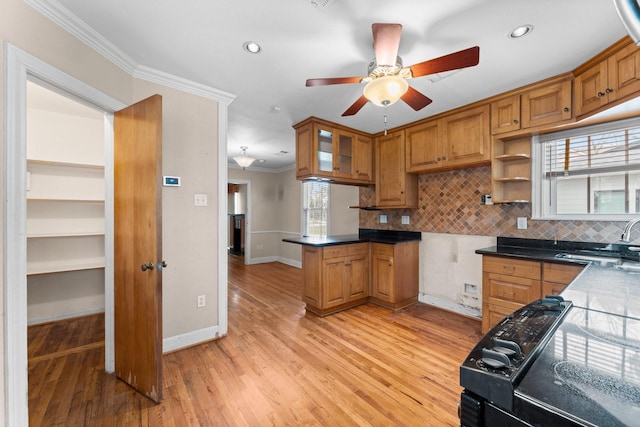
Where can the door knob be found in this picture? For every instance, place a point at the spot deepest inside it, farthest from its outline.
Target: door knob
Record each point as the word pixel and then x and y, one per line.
pixel 145 267
pixel 161 265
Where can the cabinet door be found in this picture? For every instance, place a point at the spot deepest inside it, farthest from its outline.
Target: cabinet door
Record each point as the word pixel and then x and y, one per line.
pixel 590 89
pixel 383 280
pixel 333 293
pixel 312 279
pixel 547 105
pixel 394 187
pixel 304 150
pixel 466 139
pixel 363 159
pixel 357 273
pixel 323 149
pixel 624 72
pixel 343 155
pixel 423 150
pixel 505 115
pixel 510 291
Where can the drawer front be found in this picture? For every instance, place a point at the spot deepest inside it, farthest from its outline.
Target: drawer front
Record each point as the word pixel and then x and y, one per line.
pixel 511 267
pixel 560 273
pixel 334 251
pixel 511 289
pixel 358 249
pixel 382 249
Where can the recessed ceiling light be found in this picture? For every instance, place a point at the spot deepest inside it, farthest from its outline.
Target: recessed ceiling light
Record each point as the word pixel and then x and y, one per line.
pixel 252 47
pixel 522 30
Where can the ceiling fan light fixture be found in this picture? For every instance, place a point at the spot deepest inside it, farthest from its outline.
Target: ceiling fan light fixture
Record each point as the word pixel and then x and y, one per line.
pixel 243 160
pixel 385 90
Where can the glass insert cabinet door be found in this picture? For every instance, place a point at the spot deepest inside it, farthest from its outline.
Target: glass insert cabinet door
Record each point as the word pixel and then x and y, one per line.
pixel 335 152
pixel 325 150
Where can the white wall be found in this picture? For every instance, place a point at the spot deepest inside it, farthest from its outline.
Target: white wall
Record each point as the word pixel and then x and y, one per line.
pixel 447 263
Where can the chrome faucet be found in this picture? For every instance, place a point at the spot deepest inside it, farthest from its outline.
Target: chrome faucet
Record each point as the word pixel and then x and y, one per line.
pixel 626 234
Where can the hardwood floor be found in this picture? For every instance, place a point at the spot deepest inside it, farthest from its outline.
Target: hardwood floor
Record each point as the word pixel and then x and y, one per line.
pixel 366 366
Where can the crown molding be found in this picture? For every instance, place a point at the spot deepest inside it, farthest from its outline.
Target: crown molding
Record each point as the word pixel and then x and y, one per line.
pixel 61 16
pixel 156 76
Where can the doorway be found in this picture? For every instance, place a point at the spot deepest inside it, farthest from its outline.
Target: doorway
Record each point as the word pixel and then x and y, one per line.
pixel 239 219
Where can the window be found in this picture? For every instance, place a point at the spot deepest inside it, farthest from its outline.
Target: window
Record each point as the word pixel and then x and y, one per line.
pixel 588 173
pixel 315 208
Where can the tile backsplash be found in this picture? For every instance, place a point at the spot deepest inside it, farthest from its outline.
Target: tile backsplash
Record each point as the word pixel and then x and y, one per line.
pixel 449 202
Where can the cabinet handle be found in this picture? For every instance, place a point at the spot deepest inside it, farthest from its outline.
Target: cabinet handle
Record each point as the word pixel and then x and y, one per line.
pixel 609 90
pixel 516 121
pixel 600 94
pixel 391 263
pixel 438 159
pixel 444 158
pixel 161 265
pixel 566 109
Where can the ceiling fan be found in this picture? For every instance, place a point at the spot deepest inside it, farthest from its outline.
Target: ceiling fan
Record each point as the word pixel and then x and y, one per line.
pixel 387 79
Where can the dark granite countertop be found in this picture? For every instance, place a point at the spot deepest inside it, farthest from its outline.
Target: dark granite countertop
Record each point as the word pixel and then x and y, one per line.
pixel 552 250
pixel 364 235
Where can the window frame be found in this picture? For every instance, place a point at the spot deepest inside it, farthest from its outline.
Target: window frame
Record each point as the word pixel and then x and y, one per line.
pixel 543 191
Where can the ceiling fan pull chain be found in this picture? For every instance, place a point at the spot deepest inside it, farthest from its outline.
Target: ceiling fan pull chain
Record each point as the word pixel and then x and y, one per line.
pixel 385 120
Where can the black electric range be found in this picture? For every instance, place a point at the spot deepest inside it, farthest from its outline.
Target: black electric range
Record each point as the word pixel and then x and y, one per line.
pixel 575 363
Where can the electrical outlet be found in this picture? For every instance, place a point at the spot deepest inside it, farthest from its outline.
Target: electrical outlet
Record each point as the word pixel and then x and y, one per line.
pixel 383 219
pixel 521 223
pixel 201 301
pixel 405 219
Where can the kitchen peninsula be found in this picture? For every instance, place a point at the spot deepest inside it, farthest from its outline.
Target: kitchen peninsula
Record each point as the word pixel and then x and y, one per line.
pixel 378 266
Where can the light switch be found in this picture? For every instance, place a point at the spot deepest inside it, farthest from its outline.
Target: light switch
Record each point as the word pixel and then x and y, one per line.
pixel 200 199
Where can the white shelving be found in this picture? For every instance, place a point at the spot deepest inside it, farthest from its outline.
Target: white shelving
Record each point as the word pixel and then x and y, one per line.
pixel 65 191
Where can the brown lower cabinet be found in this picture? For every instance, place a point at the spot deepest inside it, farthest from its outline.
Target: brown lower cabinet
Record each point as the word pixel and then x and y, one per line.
pixel 508 284
pixel 338 277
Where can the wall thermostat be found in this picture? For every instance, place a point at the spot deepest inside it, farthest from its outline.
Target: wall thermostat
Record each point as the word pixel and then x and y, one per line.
pixel 171 181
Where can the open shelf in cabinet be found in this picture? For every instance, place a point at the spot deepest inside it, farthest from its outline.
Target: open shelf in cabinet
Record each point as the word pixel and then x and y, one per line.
pixel 511 170
pixel 67 253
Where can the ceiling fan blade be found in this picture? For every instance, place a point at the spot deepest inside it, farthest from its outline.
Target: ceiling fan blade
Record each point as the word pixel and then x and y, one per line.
pixel 453 61
pixel 386 40
pixel 356 106
pixel 415 99
pixel 333 81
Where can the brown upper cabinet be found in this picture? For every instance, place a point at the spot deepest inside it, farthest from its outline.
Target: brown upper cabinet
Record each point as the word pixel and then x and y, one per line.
pixel 607 79
pixel 327 150
pixel 452 141
pixel 395 188
pixel 544 105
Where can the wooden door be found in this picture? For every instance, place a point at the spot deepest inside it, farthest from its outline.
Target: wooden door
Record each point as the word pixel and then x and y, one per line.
pixel 138 241
pixel 363 158
pixel 333 282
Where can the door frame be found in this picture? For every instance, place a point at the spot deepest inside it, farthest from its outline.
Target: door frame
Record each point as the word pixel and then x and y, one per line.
pixel 20 67
pixel 247 219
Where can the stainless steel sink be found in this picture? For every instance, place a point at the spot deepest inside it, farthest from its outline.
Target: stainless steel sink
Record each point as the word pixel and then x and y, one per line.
pixel 600 260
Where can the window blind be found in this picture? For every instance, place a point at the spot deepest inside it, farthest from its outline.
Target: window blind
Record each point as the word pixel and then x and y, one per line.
pixel 599 149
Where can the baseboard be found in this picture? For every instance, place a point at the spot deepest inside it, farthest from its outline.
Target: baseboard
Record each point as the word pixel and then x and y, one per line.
pixel 190 339
pixel 288 261
pixel 64 316
pixel 448 305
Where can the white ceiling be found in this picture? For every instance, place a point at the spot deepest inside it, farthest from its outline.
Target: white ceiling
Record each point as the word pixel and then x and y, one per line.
pixel 201 41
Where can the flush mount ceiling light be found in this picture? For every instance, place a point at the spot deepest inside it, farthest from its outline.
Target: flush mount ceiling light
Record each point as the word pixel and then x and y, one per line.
pixel 521 31
pixel 252 47
pixel 243 160
pixel 386 90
